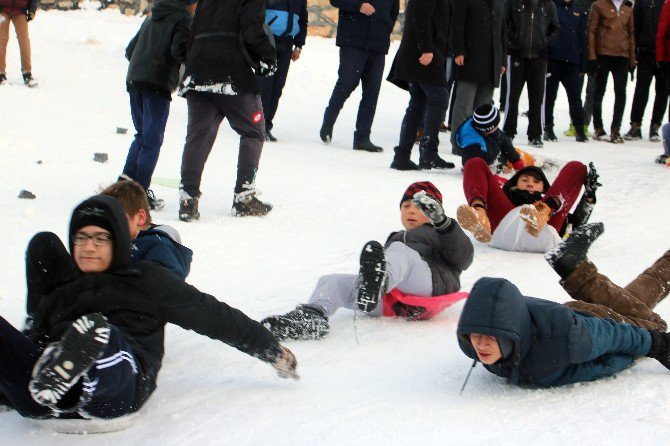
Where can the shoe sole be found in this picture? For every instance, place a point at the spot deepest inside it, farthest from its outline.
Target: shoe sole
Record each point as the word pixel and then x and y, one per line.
pixel 283 328
pixel 529 216
pixel 587 230
pixel 372 276
pixel 469 221
pixel 236 213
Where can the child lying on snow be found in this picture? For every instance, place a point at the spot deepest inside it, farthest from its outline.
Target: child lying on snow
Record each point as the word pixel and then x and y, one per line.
pixel 96 345
pixel 538 342
pixel 497 215
pixel 426 259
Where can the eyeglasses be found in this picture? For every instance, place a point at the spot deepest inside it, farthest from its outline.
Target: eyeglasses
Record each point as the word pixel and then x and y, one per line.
pixel 99 239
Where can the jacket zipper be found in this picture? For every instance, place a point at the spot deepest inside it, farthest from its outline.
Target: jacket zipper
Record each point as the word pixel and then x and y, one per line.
pixel 530 47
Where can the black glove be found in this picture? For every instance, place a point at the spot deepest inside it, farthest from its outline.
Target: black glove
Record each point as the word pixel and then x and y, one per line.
pixel 592 67
pixel 432 208
pixel 660 347
pixel 631 70
pixel 266 68
pixel 408 312
pixel 591 183
pixel 30 15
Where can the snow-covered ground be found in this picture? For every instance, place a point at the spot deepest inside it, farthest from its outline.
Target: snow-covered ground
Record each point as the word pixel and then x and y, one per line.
pixel 399 384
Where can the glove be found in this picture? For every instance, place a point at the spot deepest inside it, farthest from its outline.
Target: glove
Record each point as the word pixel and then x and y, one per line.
pixel 30 15
pixel 591 183
pixel 432 208
pixel 285 364
pixel 631 70
pixel 266 68
pixel 408 312
pixel 660 347
pixel 592 67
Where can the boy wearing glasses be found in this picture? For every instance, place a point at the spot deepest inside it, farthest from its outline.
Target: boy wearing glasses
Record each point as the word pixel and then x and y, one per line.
pixel 96 345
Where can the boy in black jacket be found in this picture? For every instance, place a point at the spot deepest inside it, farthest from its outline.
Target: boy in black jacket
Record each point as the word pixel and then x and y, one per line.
pixel 424 261
pixel 98 340
pixel 155 54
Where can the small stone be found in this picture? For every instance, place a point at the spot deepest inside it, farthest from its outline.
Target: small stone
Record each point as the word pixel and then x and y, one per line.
pixel 121 130
pixel 100 157
pixel 39 161
pixel 26 194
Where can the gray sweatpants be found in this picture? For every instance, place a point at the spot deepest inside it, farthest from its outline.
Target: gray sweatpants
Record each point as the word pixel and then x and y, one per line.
pixel 406 270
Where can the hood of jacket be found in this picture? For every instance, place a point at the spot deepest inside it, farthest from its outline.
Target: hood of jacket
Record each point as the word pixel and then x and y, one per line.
pixel 512 181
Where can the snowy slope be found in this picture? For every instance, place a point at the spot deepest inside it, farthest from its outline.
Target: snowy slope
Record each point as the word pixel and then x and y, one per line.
pixel 399 383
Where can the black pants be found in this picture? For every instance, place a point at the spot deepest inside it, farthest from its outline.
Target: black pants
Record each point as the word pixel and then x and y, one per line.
pixel 357 66
pixel 567 74
pixel 647 69
pixel 272 86
pixel 618 66
pixel 519 72
pixel 588 99
pixel 427 103
pixel 205 113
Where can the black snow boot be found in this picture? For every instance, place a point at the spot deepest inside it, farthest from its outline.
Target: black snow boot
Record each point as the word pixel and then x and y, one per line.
pixel 305 323
pixel 568 255
pixel 660 347
pixel 188 206
pixel 401 161
pixel 580 134
pixel 326 133
pixel 549 135
pixel 367 146
pixel 371 276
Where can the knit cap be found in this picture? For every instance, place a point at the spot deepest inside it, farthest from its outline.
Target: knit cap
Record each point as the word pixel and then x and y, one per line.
pixel 419 186
pixel 485 118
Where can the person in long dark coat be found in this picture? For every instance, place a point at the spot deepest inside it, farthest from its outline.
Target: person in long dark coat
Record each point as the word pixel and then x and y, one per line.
pixel 420 67
pixel 479 41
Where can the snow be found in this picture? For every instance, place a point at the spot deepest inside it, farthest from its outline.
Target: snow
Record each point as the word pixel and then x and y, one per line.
pixel 399 384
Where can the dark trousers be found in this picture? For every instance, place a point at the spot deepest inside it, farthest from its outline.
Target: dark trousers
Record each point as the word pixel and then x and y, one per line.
pixel 618 66
pixel 588 99
pixel 357 65
pixel 205 113
pixel 646 70
pixel 567 74
pixel 519 72
pixel 150 114
pixel 272 86
pixel 427 103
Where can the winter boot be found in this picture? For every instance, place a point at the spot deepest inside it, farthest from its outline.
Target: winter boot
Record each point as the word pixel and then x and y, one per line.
pixel 305 323
pixel 535 216
pixel 64 362
pixel 246 204
pixel 155 204
pixel 474 220
pixel 660 347
pixel 3 79
pixel 371 276
pixel 536 142
pixel 634 133
pixel 367 146
pixel 580 135
pixel 434 162
pixel 662 159
pixel 188 206
pixel 599 135
pixel 401 161
pixel 269 136
pixel 615 136
pixel 568 255
pixel 582 213
pixel 653 133
pixel 570 131
pixel 326 133
pixel 549 135
pixel 29 80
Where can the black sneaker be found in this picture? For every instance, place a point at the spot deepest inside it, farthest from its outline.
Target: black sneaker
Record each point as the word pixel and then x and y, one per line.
pixel 29 80
pixel 269 136
pixel 434 162
pixel 3 79
pixel 371 276
pixel 367 146
pixel 403 163
pixel 535 142
pixel 326 133
pixel 599 135
pixel 653 133
pixel 188 207
pixel 580 135
pixel 549 135
pixel 155 204
pixel 246 204
pixel 662 159
pixel 64 362
pixel 568 255
pixel 305 323
pixel 634 133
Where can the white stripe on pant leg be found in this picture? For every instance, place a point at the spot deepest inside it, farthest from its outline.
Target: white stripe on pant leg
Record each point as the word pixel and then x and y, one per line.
pixel 115 359
pixel 508 72
pixel 544 100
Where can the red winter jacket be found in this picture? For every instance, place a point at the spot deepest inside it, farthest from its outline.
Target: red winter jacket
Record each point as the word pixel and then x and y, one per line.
pixel 662 35
pixel 17 7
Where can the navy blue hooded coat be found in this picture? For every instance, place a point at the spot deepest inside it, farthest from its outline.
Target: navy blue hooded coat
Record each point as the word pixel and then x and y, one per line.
pixel 553 345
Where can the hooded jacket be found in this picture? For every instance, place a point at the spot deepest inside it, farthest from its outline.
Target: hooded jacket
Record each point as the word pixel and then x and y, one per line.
pixel 552 345
pixel 159 48
pixel 520 197
pixel 139 300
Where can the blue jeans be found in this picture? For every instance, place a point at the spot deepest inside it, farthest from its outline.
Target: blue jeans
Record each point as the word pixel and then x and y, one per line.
pixel 150 113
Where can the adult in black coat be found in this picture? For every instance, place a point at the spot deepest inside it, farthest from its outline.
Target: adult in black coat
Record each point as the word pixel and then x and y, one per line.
pixel 479 42
pixel 420 67
pixel 127 304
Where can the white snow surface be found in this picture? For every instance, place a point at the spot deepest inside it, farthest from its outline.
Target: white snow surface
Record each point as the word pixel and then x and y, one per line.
pixel 400 383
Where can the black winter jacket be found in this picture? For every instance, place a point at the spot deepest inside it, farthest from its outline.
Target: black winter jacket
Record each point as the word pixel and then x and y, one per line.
pixel 139 299
pixel 646 14
pixel 426 31
pixel 530 30
pixel 448 253
pixel 372 33
pixel 158 48
pixel 215 63
pixel 479 33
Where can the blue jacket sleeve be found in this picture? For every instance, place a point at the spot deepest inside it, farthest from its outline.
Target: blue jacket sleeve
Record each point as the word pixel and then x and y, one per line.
pixel 167 255
pixel 588 371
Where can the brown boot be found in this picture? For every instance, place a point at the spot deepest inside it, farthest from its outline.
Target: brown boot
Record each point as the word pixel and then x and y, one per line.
pixel 535 216
pixel 476 221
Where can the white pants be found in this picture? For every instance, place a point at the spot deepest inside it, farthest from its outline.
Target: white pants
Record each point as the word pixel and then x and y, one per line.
pixel 405 270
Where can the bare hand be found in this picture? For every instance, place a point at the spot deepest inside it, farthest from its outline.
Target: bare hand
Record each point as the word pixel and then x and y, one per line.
pixel 460 60
pixel 502 70
pixel 367 9
pixel 296 54
pixel 426 59
pixel 285 365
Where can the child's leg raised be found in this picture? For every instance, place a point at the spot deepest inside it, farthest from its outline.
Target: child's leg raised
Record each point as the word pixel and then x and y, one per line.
pixel 407 271
pixel 566 188
pixel 653 284
pixel 480 183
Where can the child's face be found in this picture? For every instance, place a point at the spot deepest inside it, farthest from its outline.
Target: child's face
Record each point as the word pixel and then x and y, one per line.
pixel 530 183
pixel 411 216
pixel 487 348
pixel 93 249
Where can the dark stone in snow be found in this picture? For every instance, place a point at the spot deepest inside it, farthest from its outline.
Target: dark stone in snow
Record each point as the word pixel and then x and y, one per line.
pixel 27 195
pixel 100 157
